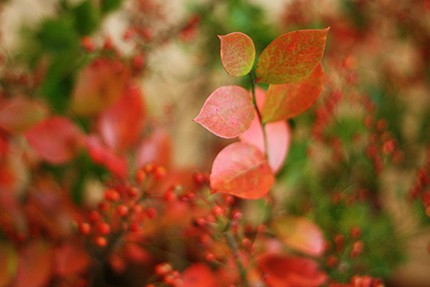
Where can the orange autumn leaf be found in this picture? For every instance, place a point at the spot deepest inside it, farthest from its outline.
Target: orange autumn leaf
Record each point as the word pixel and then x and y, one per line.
pixel 288 100
pixel 300 234
pixel 291 56
pixel 241 169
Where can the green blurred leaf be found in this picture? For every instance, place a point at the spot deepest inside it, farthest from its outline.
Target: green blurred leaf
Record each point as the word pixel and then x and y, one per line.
pixel 110 5
pixel 86 18
pixel 57 36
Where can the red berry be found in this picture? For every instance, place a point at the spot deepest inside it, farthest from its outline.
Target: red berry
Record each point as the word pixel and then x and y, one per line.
pixel 101 241
pixel 84 228
pixel 94 216
pixel 160 173
pixel 134 227
pixel 122 210
pixel 103 228
pixel 140 176
pixel 163 269
pixel 151 212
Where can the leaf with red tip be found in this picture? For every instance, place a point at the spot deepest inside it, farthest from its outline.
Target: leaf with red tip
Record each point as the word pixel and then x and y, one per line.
pixel 288 100
pixel 19 114
pixel 35 265
pixel 242 170
pixel 8 263
pixel 286 271
pixel 71 259
pixel 237 53
pixel 199 275
pixel 291 56
pixel 300 233
pixel 56 139
pixel 121 124
pixel 227 112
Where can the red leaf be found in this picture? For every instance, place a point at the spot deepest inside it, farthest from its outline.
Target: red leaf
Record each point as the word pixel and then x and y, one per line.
pixel 19 114
pixel 56 139
pixel 288 100
pixel 98 86
pixel 199 275
pixel 71 259
pixel 8 263
pixel 121 124
pixel 291 56
pixel 103 156
pixel 157 149
pixel 35 265
pixel 227 112
pixel 241 169
pixel 288 271
pixel 301 234
pixel 237 53
pixel 278 139
pixel 277 133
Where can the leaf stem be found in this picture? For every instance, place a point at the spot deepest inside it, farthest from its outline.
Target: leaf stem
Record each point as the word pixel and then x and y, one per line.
pixel 260 117
pixel 233 246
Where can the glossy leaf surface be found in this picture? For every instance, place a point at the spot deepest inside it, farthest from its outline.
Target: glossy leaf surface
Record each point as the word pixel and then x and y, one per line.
pixel 288 100
pixel 56 139
pixel 237 53
pixel 291 56
pixel 227 112
pixel 300 233
pixel 241 169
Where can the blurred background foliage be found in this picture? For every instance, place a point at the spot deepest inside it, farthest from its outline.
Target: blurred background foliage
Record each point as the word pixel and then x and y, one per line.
pixel 355 157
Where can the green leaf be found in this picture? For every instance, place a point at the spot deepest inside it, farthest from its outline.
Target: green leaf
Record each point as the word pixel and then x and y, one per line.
pixel 291 56
pixel 57 36
pixel 110 5
pixel 87 18
pixel 237 53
